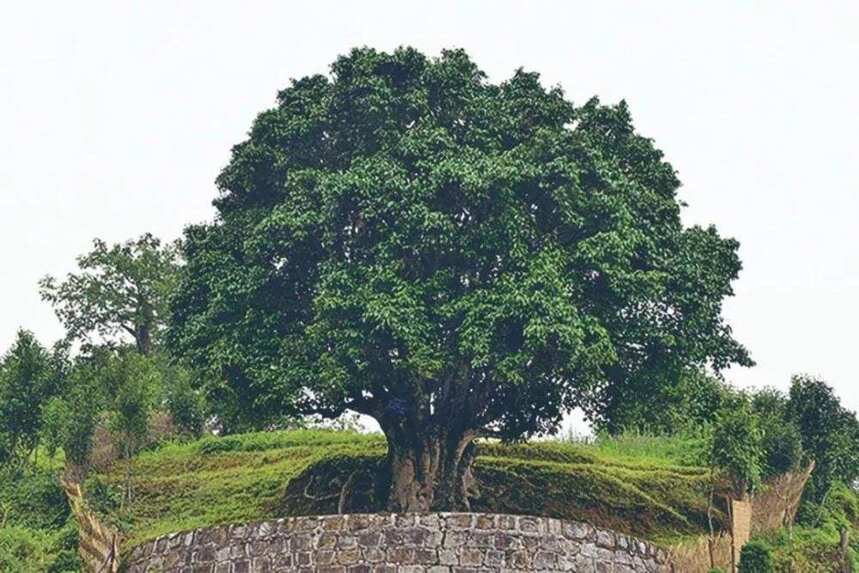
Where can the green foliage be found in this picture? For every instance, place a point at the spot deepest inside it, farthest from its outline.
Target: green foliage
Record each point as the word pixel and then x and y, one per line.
pixel 71 419
pixel 678 401
pixel 736 447
pixel 137 382
pixel 782 447
pixel 689 449
pixel 32 498
pixel 56 417
pixel 37 532
pixel 780 437
pixel 755 557
pixel 185 404
pixel 830 433
pixel 121 290
pixel 405 233
pixel 814 544
pixel 810 549
pixel 24 550
pixel 29 377
pixel 838 508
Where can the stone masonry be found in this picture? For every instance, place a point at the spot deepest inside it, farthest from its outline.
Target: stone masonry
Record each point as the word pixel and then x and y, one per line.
pixel 419 543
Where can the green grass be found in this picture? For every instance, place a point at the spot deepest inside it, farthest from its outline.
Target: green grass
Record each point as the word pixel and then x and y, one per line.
pixel 809 548
pixel 682 451
pixel 814 544
pixel 37 532
pixel 656 495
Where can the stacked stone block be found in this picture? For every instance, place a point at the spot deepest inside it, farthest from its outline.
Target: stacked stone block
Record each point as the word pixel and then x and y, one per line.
pixel 418 543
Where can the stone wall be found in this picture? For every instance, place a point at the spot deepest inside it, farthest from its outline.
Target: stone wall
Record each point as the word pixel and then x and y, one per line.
pixel 431 543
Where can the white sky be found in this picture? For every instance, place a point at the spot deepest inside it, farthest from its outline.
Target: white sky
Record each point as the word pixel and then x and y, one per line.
pixel 115 118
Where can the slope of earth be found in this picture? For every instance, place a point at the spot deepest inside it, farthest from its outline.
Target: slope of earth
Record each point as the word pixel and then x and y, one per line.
pixel 648 487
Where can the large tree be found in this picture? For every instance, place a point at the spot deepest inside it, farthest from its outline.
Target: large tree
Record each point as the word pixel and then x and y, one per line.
pixel 452 257
pixel 121 290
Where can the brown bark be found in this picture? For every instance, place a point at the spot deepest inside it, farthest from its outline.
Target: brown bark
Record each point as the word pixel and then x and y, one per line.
pixel 844 550
pixel 143 339
pixel 430 473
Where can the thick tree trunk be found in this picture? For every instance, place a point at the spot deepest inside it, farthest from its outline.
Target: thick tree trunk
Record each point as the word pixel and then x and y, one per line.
pixel 430 473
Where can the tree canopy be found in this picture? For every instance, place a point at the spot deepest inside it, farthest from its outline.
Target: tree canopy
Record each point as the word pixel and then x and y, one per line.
pixel 453 257
pixel 29 376
pixel 121 290
pixel 830 433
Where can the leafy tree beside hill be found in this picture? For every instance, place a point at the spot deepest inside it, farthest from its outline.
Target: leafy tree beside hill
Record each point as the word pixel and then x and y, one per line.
pixel 452 257
pixel 120 291
pixel 830 433
pixel 30 375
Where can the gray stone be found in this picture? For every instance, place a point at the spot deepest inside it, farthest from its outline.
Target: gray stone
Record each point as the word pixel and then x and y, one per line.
pixel 416 543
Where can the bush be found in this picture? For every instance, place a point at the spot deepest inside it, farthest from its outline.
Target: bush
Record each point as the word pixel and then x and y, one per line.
pixel 782 447
pixel 83 402
pixel 24 550
pixel 830 434
pixel 756 557
pixel 186 405
pixel 736 447
pixel 33 500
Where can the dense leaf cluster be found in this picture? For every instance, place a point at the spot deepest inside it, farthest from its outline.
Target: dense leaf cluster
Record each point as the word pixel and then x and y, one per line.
pixel 408 240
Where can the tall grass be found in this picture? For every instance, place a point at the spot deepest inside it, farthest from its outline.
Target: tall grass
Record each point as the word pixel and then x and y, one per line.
pixel 688 449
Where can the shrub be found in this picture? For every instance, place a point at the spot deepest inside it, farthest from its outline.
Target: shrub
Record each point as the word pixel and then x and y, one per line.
pixel 83 403
pixel 830 434
pixel 756 557
pixel 186 406
pixel 24 550
pixel 782 447
pixel 33 499
pixel 736 447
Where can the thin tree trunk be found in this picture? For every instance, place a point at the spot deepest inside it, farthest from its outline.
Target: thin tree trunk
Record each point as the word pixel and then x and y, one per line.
pixel 143 339
pixel 844 547
pixel 711 540
pixel 733 541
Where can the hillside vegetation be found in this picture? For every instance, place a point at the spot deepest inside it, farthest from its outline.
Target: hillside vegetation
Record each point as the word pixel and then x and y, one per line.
pixel 642 486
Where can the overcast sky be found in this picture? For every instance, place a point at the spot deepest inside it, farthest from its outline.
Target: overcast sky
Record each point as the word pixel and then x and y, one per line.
pixel 116 117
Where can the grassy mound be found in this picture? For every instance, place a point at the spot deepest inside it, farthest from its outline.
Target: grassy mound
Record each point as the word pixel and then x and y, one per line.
pixel 649 487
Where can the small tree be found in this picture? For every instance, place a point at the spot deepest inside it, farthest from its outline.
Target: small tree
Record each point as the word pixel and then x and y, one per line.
pixel 55 422
pixel 137 382
pixel 28 379
pixel 120 290
pixel 736 448
pixel 781 441
pixel 830 433
pixel 77 414
pixel 185 403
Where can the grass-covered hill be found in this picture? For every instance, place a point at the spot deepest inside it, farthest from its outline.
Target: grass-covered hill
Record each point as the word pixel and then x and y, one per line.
pixel 650 487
